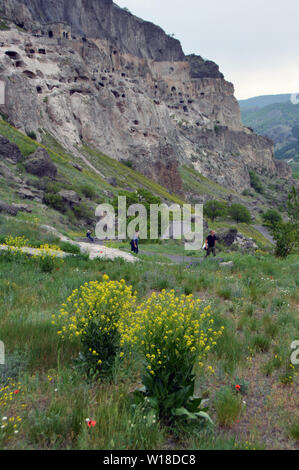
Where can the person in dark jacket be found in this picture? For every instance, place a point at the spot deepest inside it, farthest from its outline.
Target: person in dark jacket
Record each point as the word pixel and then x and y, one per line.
pixel 211 244
pixel 134 243
pixel 88 235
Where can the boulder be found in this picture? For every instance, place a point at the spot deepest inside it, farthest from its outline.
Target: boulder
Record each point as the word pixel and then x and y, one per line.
pixel 9 151
pixel 69 196
pixel 112 181
pixel 8 209
pixel 23 208
pixel 245 242
pixel 30 193
pixel 40 164
pixel 227 264
pixel 228 237
pixel 76 166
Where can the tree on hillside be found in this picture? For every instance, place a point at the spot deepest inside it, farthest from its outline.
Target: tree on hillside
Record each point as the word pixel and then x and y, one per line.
pixel 271 218
pixel 239 213
pixel 213 209
pixel 286 234
pixel 255 182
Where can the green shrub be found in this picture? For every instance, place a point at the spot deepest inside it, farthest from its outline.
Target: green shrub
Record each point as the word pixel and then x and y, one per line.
pixel 4 26
pixel 255 182
pixel 293 429
pixel 286 234
pixel 214 209
pixel 83 212
pixel 273 363
pixel 47 264
pixel 271 217
pixel 70 248
pixel 261 343
pixel 55 201
pixel 228 406
pixel 239 213
pixel 88 191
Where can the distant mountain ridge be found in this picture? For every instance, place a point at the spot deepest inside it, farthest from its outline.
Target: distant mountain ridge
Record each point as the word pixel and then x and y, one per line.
pixel 275 117
pixel 264 100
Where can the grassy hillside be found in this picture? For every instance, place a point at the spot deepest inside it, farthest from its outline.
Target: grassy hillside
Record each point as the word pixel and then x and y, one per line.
pixel 255 301
pixel 101 191
pixel 50 396
pixel 71 178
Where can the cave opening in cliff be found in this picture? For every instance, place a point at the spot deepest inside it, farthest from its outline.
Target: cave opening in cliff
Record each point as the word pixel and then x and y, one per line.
pixel 50 34
pixel 29 74
pixel 20 63
pixel 13 55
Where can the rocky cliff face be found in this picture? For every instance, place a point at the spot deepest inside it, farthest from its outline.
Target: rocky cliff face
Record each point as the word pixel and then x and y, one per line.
pixel 102 19
pixel 122 85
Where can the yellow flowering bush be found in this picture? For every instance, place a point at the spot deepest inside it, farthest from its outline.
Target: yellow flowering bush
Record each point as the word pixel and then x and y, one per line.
pixel 48 256
pixel 17 242
pixel 92 314
pixel 173 334
pixel 9 421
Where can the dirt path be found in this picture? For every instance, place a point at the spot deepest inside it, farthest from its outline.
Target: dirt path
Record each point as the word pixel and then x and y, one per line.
pixel 265 232
pixel 179 259
pixel 94 250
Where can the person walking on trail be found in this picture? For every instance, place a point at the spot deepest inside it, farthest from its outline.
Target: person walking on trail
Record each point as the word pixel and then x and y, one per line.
pixel 134 243
pixel 211 244
pixel 88 235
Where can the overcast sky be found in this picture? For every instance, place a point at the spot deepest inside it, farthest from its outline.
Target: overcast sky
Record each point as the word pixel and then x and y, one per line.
pixel 255 42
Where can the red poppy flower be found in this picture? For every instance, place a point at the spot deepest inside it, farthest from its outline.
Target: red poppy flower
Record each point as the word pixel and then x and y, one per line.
pixel 16 392
pixel 91 423
pixel 238 387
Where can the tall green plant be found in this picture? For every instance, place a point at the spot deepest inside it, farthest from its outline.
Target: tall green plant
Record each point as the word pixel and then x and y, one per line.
pixel 172 334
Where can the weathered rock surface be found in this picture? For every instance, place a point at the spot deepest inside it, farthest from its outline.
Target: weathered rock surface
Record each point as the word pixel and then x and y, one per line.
pixel 23 208
pixel 6 173
pixel 8 209
pixel 228 237
pixel 40 164
pixel 245 242
pixel 9 151
pixel 128 90
pixel 69 196
pixel 102 19
pixel 30 193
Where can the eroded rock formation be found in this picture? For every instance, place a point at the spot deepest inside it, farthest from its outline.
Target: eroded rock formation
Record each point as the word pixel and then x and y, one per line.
pixel 122 85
